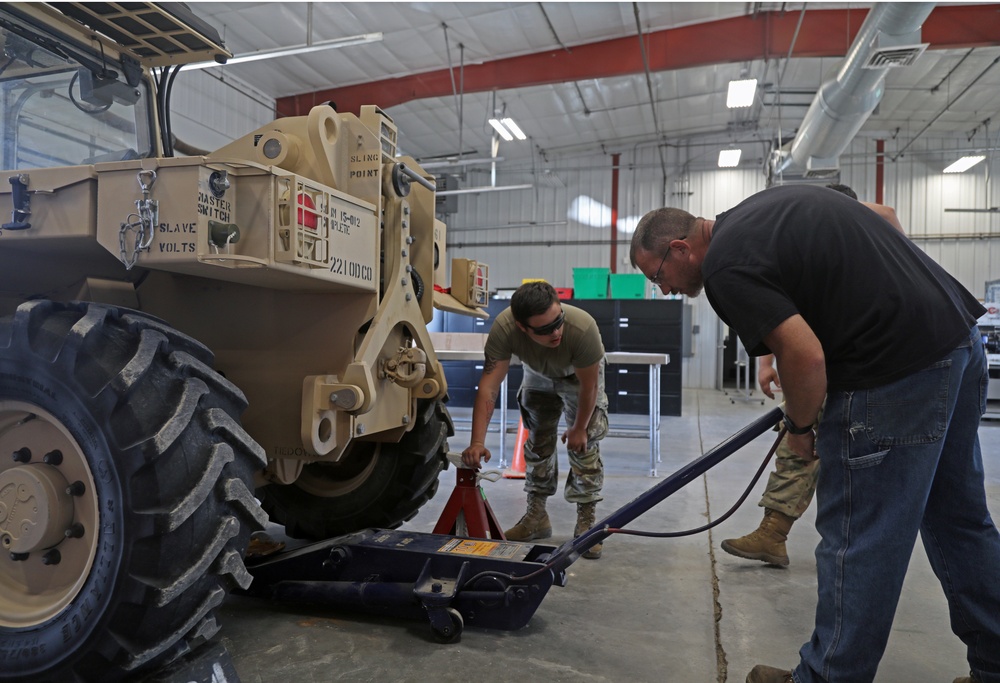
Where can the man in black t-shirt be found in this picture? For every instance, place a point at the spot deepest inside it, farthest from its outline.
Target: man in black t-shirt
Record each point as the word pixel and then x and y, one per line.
pixel 857 315
pixel 792 483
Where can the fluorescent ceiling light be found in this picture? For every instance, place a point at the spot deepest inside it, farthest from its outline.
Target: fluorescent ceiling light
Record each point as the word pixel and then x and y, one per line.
pixel 514 128
pixel 504 133
pixel 293 50
pixel 729 158
pixel 964 164
pixel 507 129
pixel 741 93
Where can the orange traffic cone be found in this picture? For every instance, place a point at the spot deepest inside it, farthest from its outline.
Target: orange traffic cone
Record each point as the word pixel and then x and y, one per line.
pixel 516 469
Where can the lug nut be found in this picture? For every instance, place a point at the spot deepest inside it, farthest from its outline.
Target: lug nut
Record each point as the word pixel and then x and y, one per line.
pixel 22 455
pixel 19 557
pixel 53 457
pixel 74 531
pixel 52 557
pixel 76 488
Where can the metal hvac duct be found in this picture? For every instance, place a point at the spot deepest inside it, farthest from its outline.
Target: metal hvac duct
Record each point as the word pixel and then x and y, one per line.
pixel 889 37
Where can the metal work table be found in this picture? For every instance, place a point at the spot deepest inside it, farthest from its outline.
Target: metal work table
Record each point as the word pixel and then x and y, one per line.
pixel 653 360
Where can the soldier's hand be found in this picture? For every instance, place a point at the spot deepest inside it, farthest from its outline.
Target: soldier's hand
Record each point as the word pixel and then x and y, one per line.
pixel 765 376
pixel 575 439
pixel 475 454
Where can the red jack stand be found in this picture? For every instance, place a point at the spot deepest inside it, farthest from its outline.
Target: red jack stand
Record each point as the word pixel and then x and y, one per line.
pixel 469 508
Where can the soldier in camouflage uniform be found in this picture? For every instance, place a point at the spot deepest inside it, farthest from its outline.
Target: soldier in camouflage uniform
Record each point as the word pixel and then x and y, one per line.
pixel 790 489
pixel 563 357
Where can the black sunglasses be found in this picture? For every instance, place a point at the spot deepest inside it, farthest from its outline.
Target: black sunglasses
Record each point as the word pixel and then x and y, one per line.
pixel 545 330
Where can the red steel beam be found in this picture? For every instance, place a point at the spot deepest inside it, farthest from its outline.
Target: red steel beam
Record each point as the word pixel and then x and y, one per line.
pixel 824 33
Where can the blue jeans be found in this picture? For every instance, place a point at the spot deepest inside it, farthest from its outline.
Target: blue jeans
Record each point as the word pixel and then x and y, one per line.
pixel 899 459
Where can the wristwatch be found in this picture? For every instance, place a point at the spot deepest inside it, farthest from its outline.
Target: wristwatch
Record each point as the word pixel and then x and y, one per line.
pixel 792 429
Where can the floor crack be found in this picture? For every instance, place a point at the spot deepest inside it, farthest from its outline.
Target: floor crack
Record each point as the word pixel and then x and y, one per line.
pixel 721 663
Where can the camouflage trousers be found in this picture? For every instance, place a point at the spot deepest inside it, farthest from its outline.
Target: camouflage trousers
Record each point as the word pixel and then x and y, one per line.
pixel 543 401
pixel 790 487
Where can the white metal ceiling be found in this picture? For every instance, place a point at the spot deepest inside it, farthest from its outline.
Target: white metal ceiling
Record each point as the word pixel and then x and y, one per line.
pixel 952 91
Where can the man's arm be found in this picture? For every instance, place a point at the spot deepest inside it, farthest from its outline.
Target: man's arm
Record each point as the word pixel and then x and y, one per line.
pixel 886 212
pixel 575 437
pixel 494 372
pixel 800 356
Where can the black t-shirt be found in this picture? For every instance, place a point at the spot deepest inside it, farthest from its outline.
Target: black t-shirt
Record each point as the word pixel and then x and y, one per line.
pixel 881 307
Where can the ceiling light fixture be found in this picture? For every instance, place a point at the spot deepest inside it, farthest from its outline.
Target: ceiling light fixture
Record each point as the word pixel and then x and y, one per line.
pixel 741 93
pixel 503 132
pixel 964 164
pixel 729 158
pixel 346 41
pixel 514 128
pixel 507 129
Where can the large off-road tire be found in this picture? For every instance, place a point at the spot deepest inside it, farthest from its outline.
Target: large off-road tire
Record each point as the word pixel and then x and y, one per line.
pixel 373 485
pixel 125 514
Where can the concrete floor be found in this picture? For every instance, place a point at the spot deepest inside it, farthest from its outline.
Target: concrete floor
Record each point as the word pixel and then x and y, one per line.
pixel 649 610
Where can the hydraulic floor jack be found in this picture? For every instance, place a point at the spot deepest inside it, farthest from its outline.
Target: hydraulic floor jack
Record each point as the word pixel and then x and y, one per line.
pixel 453 580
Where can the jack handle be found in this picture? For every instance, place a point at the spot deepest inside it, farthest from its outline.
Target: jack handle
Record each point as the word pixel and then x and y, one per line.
pixel 570 551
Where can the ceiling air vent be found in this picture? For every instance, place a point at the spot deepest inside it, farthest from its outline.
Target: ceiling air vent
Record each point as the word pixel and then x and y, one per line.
pixel 898 55
pixel 820 167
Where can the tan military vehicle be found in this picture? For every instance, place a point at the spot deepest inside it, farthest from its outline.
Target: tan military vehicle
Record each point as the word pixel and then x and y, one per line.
pixel 181 337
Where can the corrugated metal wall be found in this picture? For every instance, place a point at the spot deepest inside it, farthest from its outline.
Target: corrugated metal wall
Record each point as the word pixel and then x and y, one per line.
pixel 211 109
pixel 564 220
pixel 534 233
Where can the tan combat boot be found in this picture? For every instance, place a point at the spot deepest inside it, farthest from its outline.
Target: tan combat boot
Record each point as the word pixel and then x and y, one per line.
pixel 585 513
pixel 534 524
pixel 765 543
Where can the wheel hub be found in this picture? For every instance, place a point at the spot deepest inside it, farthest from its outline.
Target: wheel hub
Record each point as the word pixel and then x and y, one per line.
pixel 35 508
pixel 49 516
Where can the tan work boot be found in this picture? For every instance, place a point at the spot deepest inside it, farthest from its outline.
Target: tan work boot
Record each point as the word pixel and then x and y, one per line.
pixel 768 674
pixel 765 543
pixel 585 513
pixel 534 524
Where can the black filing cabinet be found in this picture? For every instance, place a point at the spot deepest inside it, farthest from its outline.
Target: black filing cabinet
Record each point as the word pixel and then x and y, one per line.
pixel 463 375
pixel 636 325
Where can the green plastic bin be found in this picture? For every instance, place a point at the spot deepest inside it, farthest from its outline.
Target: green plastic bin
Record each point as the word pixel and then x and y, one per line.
pixel 590 283
pixel 628 286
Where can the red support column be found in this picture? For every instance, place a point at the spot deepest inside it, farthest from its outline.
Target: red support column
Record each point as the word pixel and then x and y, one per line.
pixel 879 171
pixel 614 211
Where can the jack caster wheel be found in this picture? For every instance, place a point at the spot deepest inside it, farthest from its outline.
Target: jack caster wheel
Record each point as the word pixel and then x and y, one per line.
pixel 452 633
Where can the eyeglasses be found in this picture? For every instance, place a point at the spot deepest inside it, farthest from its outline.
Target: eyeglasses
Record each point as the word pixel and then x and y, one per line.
pixel 546 330
pixel 656 278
